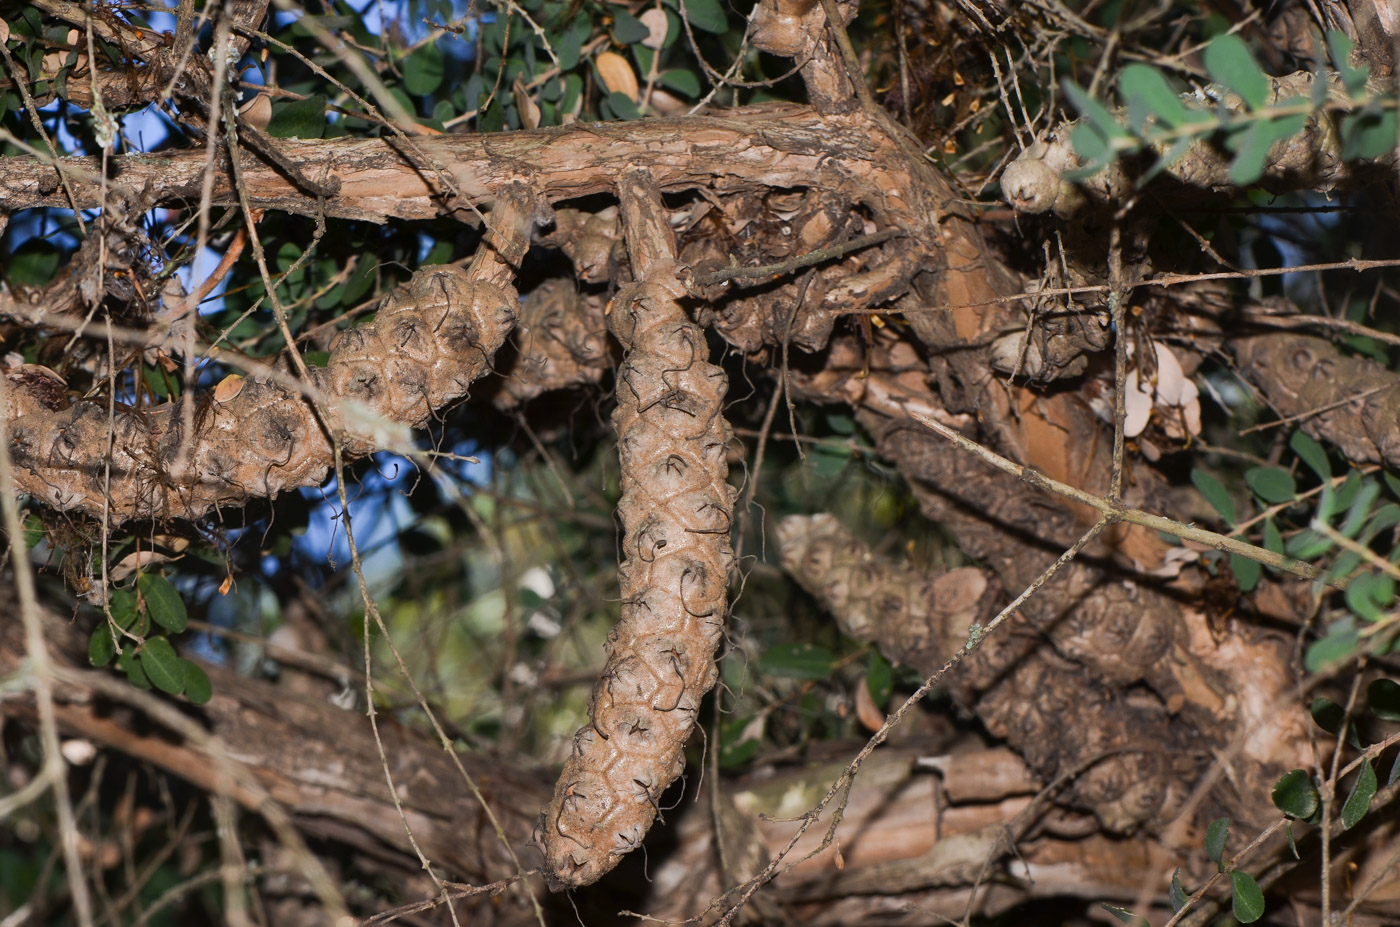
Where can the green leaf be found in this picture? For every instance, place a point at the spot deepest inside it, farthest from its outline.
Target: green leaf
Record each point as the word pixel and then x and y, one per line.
pixel 33 531
pixel 1338 646
pixel 706 15
pixel 1229 62
pixel 1167 159
pixel 1330 716
pixel 494 119
pixel 1124 915
pixel 1333 502
pixel 1094 112
pixel 568 46
pixel 1246 898
pixel 1343 566
pixel 1387 516
pixel 161 664
pixel 1176 895
pixel 1292 844
pixel 1146 94
pixel 101 648
pixel 879 678
pixel 1392 482
pixel 1311 453
pixel 622 106
pixel 1394 776
pixel 1216 835
pixel 1098 134
pixel 1362 791
pixel 361 279
pixel 423 70
pixel 1341 45
pixel 1247 572
pixel 1251 154
pixel 1383 698
pixel 573 89
pixel 1092 148
pixel 1370 595
pixel 123 607
pixel 628 29
pixel 129 664
pixel 1215 494
pixel 163 603
pixel 1360 508
pixel 1273 540
pixel 198 688
pixel 682 81
pixel 1296 796
pixel 298 118
pixel 1285 127
pixel 1272 484
pixel 1307 545
pixel 736 749
pixel 33 263
pixel 797 661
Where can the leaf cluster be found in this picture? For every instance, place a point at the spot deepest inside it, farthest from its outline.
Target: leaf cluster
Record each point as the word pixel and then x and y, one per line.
pixel 1241 113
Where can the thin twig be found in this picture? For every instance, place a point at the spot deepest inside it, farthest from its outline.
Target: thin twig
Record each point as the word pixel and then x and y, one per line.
pixel 1116 511
pixel 768 271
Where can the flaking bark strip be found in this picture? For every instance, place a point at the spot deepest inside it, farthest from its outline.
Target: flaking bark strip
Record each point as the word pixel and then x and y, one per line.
pixel 427 344
pixel 676 508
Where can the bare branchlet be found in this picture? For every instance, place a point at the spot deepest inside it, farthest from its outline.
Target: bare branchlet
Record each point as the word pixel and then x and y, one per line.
pixel 676 509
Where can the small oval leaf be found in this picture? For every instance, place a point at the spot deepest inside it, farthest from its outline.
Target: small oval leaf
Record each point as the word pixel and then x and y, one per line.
pixel 1296 796
pixel 1362 791
pixel 1383 698
pixel 797 661
pixel 1311 453
pixel 1215 494
pixel 101 648
pixel 1216 835
pixel 1246 898
pixel 1229 61
pixel 1272 484
pixel 163 603
pixel 1176 895
pixel 198 688
pixel 1247 572
pixel 161 665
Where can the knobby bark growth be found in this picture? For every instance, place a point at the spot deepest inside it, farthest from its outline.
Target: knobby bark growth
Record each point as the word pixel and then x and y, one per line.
pixel 676 512
pixel 1119 685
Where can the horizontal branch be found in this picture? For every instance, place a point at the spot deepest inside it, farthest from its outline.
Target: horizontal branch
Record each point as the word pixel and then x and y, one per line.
pixel 754 148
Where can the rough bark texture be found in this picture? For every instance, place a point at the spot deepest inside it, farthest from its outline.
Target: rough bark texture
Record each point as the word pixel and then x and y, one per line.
pixel 561 341
pixel 318 761
pixel 256 437
pixel 756 148
pixel 676 509
pixel 1352 402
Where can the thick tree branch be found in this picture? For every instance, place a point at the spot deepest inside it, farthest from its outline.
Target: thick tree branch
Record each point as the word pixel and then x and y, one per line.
pixel 756 148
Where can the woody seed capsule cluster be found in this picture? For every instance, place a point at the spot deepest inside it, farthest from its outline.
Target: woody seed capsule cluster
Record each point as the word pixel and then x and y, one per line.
pixel 675 510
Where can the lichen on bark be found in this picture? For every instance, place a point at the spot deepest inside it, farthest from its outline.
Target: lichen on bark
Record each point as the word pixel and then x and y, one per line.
pixel 676 509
